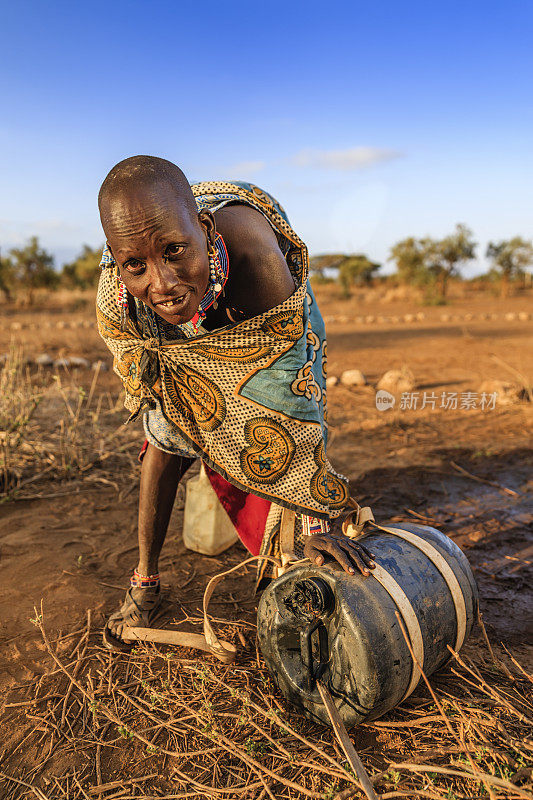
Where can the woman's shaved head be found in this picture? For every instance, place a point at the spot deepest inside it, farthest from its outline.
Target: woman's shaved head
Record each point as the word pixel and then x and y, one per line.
pixel 156 235
pixel 138 172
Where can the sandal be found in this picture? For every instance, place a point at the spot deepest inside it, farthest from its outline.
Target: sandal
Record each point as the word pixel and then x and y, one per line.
pixel 131 614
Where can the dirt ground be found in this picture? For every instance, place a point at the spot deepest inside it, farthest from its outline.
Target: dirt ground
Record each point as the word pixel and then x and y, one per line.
pixel 469 472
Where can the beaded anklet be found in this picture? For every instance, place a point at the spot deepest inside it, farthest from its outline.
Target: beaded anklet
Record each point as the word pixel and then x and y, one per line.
pixel 144 581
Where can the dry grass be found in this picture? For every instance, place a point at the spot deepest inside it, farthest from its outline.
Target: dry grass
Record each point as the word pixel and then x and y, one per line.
pixel 167 724
pixel 18 400
pixel 54 430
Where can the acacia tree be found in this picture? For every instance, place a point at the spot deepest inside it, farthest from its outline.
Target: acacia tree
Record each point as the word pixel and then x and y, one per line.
pixel 318 264
pixel 510 258
pixel 83 272
pixel 409 256
pixel 426 261
pixel 356 269
pixel 445 256
pixel 33 268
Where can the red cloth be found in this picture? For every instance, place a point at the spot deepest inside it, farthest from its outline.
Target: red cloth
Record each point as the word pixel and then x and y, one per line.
pixel 247 512
pixel 142 451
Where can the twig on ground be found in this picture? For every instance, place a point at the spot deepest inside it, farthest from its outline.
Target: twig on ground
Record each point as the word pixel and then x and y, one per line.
pixel 484 480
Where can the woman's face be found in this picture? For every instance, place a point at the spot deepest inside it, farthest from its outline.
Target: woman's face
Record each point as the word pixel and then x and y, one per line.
pixel 161 249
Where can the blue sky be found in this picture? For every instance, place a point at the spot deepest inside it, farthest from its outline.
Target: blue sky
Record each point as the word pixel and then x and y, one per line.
pixel 369 122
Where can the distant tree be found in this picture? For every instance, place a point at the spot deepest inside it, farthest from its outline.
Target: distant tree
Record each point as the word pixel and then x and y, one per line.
pixel 410 258
pixel 6 276
pixel 319 264
pixel 445 256
pixel 433 261
pixel 356 270
pixel 33 268
pixel 83 272
pixel 510 259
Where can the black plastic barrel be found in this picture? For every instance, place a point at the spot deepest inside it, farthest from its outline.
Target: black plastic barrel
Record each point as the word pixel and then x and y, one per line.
pixel 323 623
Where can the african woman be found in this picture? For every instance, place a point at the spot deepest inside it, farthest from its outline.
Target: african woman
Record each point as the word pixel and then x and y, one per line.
pixel 205 303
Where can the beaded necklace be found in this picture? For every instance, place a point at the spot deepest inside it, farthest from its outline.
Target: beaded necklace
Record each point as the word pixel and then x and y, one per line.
pixel 218 276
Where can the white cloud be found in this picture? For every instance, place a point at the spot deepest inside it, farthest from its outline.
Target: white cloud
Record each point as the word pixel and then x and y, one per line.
pixel 239 171
pixel 244 168
pixel 344 160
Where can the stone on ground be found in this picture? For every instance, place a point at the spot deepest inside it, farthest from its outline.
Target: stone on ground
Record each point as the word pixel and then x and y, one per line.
pixel 65 363
pixel 44 360
pixel 353 377
pixel 397 381
pixel 78 361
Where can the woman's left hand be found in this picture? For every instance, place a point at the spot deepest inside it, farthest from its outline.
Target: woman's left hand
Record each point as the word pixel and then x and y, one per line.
pixel 349 554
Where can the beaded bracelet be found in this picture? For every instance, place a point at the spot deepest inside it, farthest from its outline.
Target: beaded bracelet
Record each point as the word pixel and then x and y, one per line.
pixel 144 581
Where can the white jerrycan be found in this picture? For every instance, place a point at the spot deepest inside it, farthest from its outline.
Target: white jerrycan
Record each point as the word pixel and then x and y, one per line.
pixel 207 528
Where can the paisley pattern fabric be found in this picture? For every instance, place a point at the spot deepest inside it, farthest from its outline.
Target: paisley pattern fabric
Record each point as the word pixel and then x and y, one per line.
pixel 269 451
pixel 248 398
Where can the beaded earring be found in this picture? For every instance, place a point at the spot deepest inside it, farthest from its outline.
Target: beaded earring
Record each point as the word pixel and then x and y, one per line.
pixel 122 302
pixel 215 270
pixel 218 275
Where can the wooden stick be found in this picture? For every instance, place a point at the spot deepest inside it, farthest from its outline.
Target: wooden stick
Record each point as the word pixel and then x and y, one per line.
pixel 496 661
pixel 346 743
pixel 105 787
pixel 35 700
pixel 211 790
pixel 526 384
pixel 177 638
pixel 93 384
pixel 484 480
pixel 518 665
pixel 37 792
pixel 465 775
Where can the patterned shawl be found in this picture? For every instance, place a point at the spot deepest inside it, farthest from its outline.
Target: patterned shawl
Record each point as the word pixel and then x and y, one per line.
pixel 248 398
